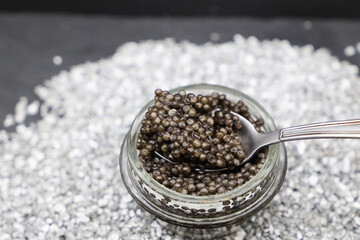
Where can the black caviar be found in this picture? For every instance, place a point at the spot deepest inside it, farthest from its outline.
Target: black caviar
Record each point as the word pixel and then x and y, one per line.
pixel 198 135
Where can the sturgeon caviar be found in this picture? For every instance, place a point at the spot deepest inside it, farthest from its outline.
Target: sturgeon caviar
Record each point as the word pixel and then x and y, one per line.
pixel 196 133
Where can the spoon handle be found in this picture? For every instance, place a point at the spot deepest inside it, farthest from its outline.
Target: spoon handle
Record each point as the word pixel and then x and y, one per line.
pixel 332 129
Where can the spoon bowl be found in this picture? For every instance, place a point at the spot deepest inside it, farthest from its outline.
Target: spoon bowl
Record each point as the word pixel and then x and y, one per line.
pixel 251 140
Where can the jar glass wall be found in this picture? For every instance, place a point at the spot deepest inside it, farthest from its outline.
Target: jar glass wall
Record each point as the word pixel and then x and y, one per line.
pixel 212 211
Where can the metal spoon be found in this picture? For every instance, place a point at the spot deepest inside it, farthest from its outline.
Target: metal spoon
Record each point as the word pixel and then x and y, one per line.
pixel 252 141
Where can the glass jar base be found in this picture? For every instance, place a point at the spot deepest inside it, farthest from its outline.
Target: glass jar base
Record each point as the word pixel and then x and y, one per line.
pixel 219 228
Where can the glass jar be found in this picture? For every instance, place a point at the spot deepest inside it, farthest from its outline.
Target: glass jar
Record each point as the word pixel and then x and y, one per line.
pixel 212 211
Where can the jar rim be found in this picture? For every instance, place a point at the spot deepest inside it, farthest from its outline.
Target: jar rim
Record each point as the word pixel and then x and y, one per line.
pixel 254 107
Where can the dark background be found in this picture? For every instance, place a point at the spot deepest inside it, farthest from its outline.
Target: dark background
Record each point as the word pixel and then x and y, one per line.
pixel 33 32
pixel 254 8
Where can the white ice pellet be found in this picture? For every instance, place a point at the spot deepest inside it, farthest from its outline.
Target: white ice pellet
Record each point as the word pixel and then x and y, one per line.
pixel 299 235
pixel 346 166
pixel 59 208
pixel 32 163
pixel 357 220
pixel 301 146
pixel 93 144
pixel 57 60
pixel 313 180
pixel 5 236
pixel 33 108
pixel 167 238
pixel 9 120
pixel 356 205
pixel 20 110
pixel 349 51
pixel 64 167
pixel 44 110
pixel 4 137
pixel 115 235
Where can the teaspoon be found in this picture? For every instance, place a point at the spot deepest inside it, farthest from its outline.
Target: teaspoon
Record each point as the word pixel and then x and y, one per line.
pixel 252 140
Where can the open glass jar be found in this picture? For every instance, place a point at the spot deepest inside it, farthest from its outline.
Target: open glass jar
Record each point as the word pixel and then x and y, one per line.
pixel 212 211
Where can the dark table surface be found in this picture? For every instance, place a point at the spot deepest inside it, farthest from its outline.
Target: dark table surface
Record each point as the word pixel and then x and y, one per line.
pixel 28 42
